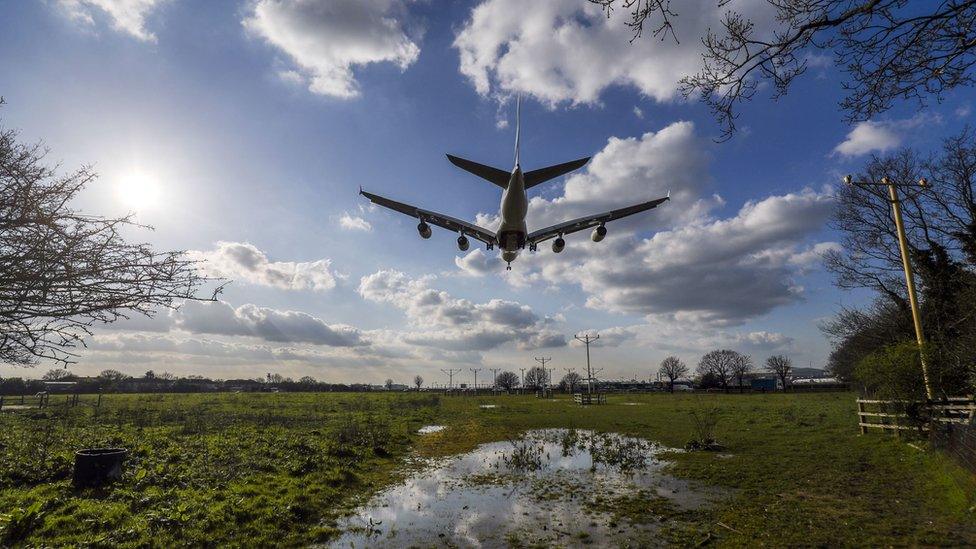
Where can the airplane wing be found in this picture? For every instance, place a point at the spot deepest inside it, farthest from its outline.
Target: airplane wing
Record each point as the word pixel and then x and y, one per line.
pixel 434 218
pixel 583 223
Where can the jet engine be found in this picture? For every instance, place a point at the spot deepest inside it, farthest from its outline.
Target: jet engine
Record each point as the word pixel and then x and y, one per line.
pixel 424 229
pixel 463 243
pixel 558 245
pixel 599 233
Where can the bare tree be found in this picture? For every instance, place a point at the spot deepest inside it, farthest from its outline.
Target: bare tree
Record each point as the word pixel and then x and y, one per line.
pixel 674 369
pixel 388 384
pixel 113 376
pixel 720 364
pixel 889 49
pixel 782 366
pixel 536 378
pixel 741 367
pixel 940 226
pixel 58 374
pixel 418 382
pixel 508 380
pixel 61 271
pixel 307 381
pixel 570 381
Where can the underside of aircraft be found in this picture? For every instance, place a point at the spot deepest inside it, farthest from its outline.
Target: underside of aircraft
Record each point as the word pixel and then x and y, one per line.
pixel 512 235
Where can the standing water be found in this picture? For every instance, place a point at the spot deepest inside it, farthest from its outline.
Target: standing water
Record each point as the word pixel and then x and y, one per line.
pixel 539 489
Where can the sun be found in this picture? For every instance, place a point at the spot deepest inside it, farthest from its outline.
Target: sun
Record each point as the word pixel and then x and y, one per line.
pixel 139 191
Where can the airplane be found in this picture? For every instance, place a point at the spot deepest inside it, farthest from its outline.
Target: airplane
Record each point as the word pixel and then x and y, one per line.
pixel 512 234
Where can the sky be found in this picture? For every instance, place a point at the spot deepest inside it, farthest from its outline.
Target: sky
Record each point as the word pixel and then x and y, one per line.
pixel 242 130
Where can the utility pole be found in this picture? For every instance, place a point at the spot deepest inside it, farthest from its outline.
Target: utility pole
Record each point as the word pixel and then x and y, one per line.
pixel 450 375
pixel 907 265
pixel 587 339
pixel 522 385
pixel 475 370
pixel 494 379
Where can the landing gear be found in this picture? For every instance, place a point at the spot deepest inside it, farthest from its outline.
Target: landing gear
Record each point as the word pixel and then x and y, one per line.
pixel 509 266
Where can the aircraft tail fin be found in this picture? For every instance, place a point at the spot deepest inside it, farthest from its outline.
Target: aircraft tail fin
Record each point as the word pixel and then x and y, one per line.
pixel 496 176
pixel 542 175
pixel 518 125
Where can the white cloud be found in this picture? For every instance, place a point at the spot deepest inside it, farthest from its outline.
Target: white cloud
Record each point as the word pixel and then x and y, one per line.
pixel 244 262
pixel 873 136
pixel 638 112
pixel 570 51
pixel 219 318
pixel 478 263
pixel 964 110
pixel 327 40
pixel 868 137
pixel 354 223
pixel 629 170
pixel 128 16
pixel 718 271
pixel 443 321
pixel 701 268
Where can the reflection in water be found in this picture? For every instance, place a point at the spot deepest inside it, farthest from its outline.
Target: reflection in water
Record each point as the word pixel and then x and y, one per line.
pixel 532 490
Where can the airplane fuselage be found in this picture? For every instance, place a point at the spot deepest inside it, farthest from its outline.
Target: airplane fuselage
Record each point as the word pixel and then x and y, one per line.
pixel 514 206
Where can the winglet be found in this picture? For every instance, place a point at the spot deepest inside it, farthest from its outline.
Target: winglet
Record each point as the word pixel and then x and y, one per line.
pixel 669 194
pixel 361 189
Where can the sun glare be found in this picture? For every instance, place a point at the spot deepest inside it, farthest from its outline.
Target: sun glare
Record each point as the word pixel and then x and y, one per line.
pixel 139 191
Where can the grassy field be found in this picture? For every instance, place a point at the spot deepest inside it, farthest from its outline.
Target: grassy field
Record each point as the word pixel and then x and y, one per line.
pixel 275 469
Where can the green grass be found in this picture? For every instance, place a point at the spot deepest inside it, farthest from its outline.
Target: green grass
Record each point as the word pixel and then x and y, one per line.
pixel 275 469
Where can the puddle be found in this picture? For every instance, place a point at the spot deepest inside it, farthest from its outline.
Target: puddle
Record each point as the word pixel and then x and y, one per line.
pixel 428 429
pixel 540 489
pixel 633 403
pixel 488 406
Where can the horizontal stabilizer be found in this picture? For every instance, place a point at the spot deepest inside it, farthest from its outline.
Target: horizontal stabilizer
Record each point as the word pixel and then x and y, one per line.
pixel 542 175
pixel 496 176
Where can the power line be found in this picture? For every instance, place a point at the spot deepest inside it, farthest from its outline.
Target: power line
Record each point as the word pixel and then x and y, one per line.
pixel 475 370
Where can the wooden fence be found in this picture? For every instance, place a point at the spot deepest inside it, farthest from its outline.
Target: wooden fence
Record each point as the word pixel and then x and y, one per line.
pixel 585 399
pixel 893 415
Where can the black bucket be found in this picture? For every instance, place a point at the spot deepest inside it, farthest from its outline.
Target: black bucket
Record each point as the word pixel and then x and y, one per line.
pixel 98 466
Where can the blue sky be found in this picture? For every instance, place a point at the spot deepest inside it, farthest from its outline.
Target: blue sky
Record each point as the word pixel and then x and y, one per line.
pixel 242 130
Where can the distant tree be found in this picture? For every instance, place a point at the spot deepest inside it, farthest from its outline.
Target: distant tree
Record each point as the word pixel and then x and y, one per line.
pixel 782 366
pixel 887 49
pixel 720 364
pixel 418 382
pixel 307 381
pixel 741 367
pixel 508 380
pixel 674 369
pixel 65 272
pixel 536 378
pixel 570 381
pixel 112 376
pixel 273 379
pixel 58 374
pixel 166 376
pixel 150 375
pixel 13 386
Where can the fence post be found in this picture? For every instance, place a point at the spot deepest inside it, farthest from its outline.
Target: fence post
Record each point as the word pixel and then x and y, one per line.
pixel 860 417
